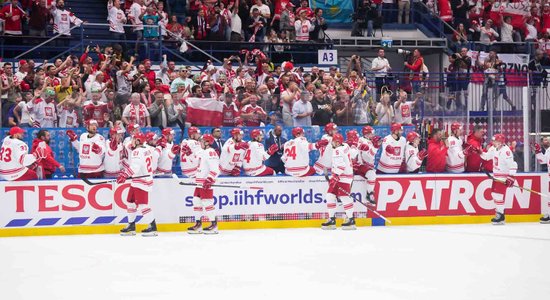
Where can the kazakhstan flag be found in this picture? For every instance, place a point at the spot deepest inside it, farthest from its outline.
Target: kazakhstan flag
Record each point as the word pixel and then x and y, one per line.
pixel 334 11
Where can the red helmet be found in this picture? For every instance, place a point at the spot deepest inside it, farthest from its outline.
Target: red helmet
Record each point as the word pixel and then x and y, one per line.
pixel 167 131
pixel 499 137
pixel 255 133
pixel 16 130
pixel 411 136
pixel 395 127
pixel 112 131
pixel 208 138
pixel 297 130
pixel 192 130
pixel 455 126
pixel 352 136
pixel 367 130
pixel 140 137
pixel 235 131
pixel 338 138
pixel 150 136
pixel 91 122
pixel 131 127
pixel 330 127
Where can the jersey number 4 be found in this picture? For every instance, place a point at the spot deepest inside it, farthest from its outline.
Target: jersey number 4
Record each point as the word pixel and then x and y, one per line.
pixel 5 154
pixel 247 156
pixel 291 152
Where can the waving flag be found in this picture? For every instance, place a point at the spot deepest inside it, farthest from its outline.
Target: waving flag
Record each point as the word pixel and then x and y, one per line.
pixel 334 11
pixel 204 111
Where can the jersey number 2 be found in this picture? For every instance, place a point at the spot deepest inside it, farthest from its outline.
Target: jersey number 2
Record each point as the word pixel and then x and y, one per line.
pixel 5 154
pixel 148 161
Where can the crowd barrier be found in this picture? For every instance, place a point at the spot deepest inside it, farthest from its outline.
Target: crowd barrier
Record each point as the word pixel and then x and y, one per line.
pixel 73 207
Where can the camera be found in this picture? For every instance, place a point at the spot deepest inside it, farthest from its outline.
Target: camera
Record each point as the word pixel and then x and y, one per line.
pixel 403 51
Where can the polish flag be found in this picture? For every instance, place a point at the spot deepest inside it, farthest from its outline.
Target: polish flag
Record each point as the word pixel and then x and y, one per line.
pixel 204 111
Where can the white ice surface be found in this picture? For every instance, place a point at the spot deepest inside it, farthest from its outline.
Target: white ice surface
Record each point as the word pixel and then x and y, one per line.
pixel 415 262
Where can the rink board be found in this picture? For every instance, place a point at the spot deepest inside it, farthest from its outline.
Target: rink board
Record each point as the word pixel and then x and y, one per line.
pixel 73 207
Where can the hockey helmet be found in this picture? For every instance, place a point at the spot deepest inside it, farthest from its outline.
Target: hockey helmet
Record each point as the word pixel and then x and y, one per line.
pixel 352 136
pixel 297 130
pixel 208 138
pixel 150 136
pixel 455 126
pixel 192 130
pixel 338 138
pixel 236 131
pixel 139 136
pixel 411 136
pixel 499 137
pixel 255 133
pixel 395 127
pixel 367 130
pixel 330 127
pixel 168 131
pixel 16 130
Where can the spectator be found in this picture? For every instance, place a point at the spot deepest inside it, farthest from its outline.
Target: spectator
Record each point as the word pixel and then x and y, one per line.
pixel 416 66
pixel 380 66
pixel 384 110
pixel 255 28
pixel 302 110
pixel 175 28
pixel 137 10
pixel 274 161
pixel 12 14
pixel 38 18
pixel 252 114
pixel 437 153
pixel 319 26
pixel 507 34
pixel 303 27
pixel 288 19
pixel 68 115
pixel 230 111
pixel 97 109
pixel 289 96
pixel 62 19
pixel 117 19
pixel 404 11
pixel 487 35
pixel 236 23
pixel 322 109
pixel 218 24
pixel 47 165
pixel 200 26
pixel 10 87
pixel 343 112
pixel 43 111
pixel 360 104
pixel 404 108
pixel 490 70
pixel 21 111
pixel 264 10
pixel 460 36
pixel 136 112
pixel 531 36
pixel 460 12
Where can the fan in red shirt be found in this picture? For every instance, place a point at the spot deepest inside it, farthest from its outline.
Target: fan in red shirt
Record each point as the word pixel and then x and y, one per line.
pixel 437 153
pixel 150 74
pixel 473 159
pixel 97 109
pixel 252 114
pixel 47 164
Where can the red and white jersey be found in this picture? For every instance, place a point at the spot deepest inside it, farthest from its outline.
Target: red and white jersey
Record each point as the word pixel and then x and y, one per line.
pixel 12 24
pixel 455 155
pixel 116 18
pixel 403 114
pixel 391 163
pixel 90 162
pixel 503 161
pixel 190 163
pixel 44 114
pixel 256 119
pixel 254 157
pixel 325 155
pixel 411 158
pixel 14 159
pixel 156 155
pixel 141 161
pixel 67 119
pixel 302 30
pixel 354 155
pixel 136 10
pixel 113 160
pixel 230 157
pixel 209 165
pixel 96 112
pixel 544 159
pixel 367 157
pixel 62 20
pixel 137 115
pixel 296 156
pixel 341 163
pixel 166 159
pixel 230 114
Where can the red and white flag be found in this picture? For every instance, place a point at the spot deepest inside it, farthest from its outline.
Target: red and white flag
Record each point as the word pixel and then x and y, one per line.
pixel 204 111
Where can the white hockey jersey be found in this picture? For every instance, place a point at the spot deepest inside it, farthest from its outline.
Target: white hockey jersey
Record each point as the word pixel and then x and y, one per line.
pixel 544 159
pixel 367 157
pixel 44 115
pixel 190 163
pixel 325 155
pixel 411 158
pixel 90 162
pixel 230 157
pixel 14 159
pixel 341 164
pixel 67 119
pixel 209 165
pixel 166 159
pixel 296 156
pixel 141 163
pixel 254 157
pixel 113 160
pixel 136 10
pixel 503 161
pixel 391 163
pixel 116 18
pixel 455 155
pixel 62 20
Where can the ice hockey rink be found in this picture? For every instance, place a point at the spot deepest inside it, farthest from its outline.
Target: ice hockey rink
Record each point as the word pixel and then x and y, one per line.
pixel 402 262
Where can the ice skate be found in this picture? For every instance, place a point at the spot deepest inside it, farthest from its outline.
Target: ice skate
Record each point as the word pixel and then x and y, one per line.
pixel 195 229
pixel 545 219
pixel 330 224
pixel 129 230
pixel 212 229
pixel 370 199
pixel 498 219
pixel 151 230
pixel 349 224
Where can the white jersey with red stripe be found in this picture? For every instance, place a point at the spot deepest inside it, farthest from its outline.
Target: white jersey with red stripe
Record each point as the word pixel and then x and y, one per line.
pixel 325 155
pixel 367 157
pixel 254 157
pixel 190 163
pixel 156 155
pixel 341 163
pixel 296 156
pixel 44 114
pixel 209 165
pixel 113 160
pixel 354 155
pixel 455 155
pixel 391 163
pixel 62 20
pixel 230 157
pixel 141 163
pixel 14 159
pixel 411 158
pixel 68 119
pixel 166 159
pixel 90 162
pixel 544 159
pixel 503 161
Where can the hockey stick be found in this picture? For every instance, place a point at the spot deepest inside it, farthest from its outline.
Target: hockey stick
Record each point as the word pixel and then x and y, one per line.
pixel 518 186
pixel 88 182
pixel 219 185
pixel 365 205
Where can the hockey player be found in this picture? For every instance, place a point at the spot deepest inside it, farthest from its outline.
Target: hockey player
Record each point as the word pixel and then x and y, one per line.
pixel 352 140
pixel 504 171
pixel 131 130
pixel 15 158
pixel 168 151
pixel 414 157
pixel 543 158
pixel 232 153
pixel 393 150
pixel 456 153
pixel 368 157
pixel 296 154
pixel 138 196
pixel 91 150
pixel 325 153
pixel 340 184
pixel 113 157
pixel 203 199
pixel 189 149
pixel 255 155
pixel 151 140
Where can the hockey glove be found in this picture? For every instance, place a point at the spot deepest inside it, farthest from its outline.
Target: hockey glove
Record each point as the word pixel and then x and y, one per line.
pixel 510 180
pixel 208 183
pixel 537 148
pixel 242 146
pixel 113 144
pixel 121 178
pixel 422 154
pixel 272 149
pixel 185 150
pixel 96 149
pixel 321 143
pixel 377 141
pixel 175 149
pixel 39 153
pixel 72 135
pixel 364 147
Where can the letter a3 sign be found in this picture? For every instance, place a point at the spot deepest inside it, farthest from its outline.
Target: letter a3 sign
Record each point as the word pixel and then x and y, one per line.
pixel 328 57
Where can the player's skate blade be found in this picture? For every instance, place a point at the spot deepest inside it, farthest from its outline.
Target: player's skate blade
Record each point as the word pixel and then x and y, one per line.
pixel 545 219
pixel 349 225
pixel 129 230
pixel 212 229
pixel 499 219
pixel 195 229
pixel 330 224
